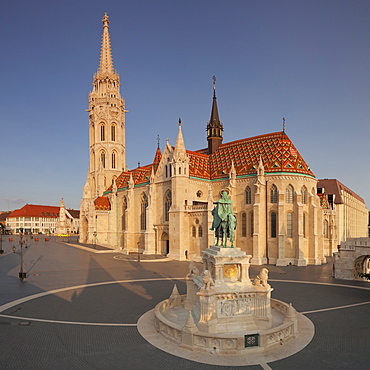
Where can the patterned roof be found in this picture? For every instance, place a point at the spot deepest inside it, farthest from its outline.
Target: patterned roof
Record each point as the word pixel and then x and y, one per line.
pixel 276 150
pixel 32 210
pixel 102 204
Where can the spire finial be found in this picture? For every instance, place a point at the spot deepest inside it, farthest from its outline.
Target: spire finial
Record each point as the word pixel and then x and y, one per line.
pixel 180 122
pixel 283 124
pixel 158 140
pixel 214 85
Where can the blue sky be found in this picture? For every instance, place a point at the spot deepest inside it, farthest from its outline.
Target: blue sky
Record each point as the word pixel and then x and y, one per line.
pixel 308 61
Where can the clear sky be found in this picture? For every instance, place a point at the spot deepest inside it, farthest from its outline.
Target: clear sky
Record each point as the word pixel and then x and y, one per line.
pixel 306 60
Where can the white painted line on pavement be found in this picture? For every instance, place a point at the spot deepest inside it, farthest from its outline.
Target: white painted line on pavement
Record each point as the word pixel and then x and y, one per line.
pixel 66 322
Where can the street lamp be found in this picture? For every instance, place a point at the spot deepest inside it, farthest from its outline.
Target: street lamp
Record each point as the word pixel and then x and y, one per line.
pixel 1 239
pixel 95 234
pixel 138 251
pixel 22 275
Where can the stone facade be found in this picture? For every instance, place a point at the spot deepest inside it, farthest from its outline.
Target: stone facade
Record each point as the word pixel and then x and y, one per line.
pixel 352 258
pixel 165 207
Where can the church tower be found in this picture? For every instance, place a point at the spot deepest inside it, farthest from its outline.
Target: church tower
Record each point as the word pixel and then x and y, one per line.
pixel 214 127
pixel 106 122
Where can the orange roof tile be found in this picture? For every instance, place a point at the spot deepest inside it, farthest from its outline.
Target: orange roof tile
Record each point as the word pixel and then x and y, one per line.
pixel 276 150
pixel 102 204
pixel 32 210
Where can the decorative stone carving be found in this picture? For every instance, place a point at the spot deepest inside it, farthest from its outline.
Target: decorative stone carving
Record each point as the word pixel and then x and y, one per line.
pixel 207 280
pixel 261 278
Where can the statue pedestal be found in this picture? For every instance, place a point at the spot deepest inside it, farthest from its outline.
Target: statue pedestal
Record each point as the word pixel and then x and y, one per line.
pixel 223 311
pixel 232 303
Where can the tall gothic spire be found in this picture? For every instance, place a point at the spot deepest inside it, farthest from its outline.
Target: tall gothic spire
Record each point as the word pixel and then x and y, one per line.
pixel 214 127
pixel 106 60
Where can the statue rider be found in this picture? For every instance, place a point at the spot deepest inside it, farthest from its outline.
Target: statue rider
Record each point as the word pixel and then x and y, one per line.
pixel 224 220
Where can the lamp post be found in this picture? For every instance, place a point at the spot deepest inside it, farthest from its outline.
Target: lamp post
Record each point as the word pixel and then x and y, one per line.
pixel 138 251
pixel 95 234
pixel 1 239
pixel 22 275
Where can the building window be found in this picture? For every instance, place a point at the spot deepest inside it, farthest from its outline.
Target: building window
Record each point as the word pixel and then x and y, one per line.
pixel 102 133
pixel 194 231
pixel 273 194
pixel 124 208
pixel 167 205
pixel 113 160
pixel 200 231
pixel 248 195
pixel 144 206
pixel 289 194
pixel 304 195
pixel 273 224
pixel 102 159
pixel 113 132
pixel 244 224
pixel 326 229
pixel 252 223
pixel 289 225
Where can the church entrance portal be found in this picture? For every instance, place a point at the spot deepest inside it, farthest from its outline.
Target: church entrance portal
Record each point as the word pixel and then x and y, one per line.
pixel 165 244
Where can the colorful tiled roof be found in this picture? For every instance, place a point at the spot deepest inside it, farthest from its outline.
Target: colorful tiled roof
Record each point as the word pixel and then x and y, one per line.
pixel 102 204
pixel 276 150
pixel 32 210
pixel 140 175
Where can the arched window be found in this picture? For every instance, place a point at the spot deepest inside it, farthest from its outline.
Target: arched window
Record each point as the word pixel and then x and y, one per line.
pixel 273 224
pixel 167 205
pixel 200 231
pixel 244 224
pixel 124 208
pixel 326 229
pixel 273 194
pixel 113 160
pixel 144 206
pixel 113 132
pixel 304 195
pixel 102 159
pixel 194 231
pixel 289 194
pixel 102 133
pixel 248 195
pixel 252 223
pixel 289 225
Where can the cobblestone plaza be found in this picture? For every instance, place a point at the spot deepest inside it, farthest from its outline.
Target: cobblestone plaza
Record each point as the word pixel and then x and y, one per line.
pixel 78 308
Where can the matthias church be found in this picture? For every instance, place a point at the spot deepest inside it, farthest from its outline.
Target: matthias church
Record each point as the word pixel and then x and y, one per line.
pixel 284 215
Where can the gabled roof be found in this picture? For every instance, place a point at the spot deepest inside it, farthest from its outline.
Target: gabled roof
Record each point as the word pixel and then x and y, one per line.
pixel 276 150
pixel 32 210
pixel 74 213
pixel 333 186
pixel 102 204
pixel 140 175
